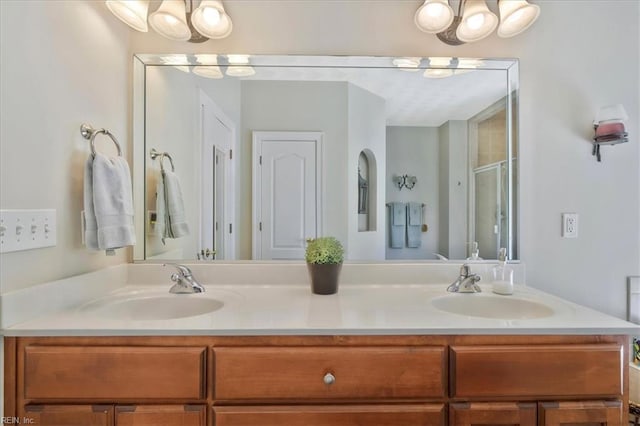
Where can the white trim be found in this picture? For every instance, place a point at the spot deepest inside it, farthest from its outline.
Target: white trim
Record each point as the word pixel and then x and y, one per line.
pixel 139 159
pixel 256 188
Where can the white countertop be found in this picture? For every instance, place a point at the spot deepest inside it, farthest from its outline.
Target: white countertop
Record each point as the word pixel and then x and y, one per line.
pixel 291 309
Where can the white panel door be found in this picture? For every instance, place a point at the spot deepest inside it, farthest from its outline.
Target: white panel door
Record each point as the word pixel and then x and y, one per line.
pixel 287 197
pixel 216 210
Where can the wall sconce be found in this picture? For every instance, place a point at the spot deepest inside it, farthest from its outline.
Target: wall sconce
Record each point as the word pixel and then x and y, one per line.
pixel 609 127
pixel 172 19
pixel 405 181
pixel 474 21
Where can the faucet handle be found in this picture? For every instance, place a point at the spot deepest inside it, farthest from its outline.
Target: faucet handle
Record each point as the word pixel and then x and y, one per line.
pixel 465 270
pixel 186 272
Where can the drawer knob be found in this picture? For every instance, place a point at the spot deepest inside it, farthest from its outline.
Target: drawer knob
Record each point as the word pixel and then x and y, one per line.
pixel 329 379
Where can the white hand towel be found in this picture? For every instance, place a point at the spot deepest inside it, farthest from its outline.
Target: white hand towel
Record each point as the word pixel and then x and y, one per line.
pixel 108 203
pixel 171 205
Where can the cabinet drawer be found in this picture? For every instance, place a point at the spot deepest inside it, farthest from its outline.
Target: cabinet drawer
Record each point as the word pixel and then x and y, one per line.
pixel 100 372
pixel 530 371
pixel 344 415
pixel 299 373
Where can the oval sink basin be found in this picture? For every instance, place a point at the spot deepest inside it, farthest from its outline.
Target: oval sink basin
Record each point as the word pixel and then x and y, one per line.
pixel 163 307
pixel 489 306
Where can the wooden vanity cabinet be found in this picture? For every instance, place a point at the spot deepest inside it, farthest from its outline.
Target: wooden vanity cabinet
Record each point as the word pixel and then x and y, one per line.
pixel 318 380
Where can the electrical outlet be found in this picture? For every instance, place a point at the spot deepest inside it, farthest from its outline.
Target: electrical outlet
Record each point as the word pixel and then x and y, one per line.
pixel 569 225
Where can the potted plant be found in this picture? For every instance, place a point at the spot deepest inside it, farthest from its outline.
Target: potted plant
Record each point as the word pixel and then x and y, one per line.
pixel 324 258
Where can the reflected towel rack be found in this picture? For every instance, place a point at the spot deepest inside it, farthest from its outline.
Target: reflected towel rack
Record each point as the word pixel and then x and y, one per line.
pixel 155 154
pixel 89 133
pixel 423 205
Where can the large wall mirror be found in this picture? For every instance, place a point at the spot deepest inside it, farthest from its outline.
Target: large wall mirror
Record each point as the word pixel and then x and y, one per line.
pixel 240 157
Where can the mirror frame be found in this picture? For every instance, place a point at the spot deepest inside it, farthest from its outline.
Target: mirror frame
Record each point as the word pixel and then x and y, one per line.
pixel 142 60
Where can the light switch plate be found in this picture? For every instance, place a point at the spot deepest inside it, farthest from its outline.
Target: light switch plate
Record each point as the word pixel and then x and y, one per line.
pixel 27 229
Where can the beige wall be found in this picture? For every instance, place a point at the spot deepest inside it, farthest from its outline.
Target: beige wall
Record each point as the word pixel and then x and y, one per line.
pixel 61 64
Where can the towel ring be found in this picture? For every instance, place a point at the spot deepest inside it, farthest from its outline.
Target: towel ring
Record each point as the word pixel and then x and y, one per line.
pixel 154 154
pixel 90 134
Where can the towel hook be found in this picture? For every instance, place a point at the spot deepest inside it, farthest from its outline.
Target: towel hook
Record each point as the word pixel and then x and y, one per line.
pixel 155 153
pixel 90 134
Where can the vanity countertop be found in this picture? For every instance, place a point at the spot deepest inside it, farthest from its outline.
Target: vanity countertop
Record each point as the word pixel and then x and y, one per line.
pixel 291 309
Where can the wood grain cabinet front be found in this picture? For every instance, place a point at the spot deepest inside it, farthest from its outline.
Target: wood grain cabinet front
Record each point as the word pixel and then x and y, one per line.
pixel 68 415
pixel 78 373
pixel 161 415
pixel 492 413
pixel 583 413
pixel 332 415
pixel 531 371
pixel 329 373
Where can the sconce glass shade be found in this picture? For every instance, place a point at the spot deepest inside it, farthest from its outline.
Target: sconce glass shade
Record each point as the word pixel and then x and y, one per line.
pixel 407 64
pixel 477 21
pixel 611 113
pixel 439 67
pixel 170 20
pixel 434 16
pixel 208 71
pixel 211 20
pixel 131 12
pixel 516 16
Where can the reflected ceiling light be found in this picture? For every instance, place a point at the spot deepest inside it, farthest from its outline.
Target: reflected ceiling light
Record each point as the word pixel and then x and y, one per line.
pixel 434 16
pixel 407 64
pixel 176 19
pixel 439 68
pixel 209 66
pixel 177 61
pixel 516 16
pixel 239 66
pixel 131 12
pixel 466 65
pixel 211 20
pixel 474 20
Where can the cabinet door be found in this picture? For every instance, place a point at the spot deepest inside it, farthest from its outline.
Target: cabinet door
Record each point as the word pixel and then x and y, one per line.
pixel 492 413
pixel 587 413
pixel 68 415
pixel 331 415
pixel 161 415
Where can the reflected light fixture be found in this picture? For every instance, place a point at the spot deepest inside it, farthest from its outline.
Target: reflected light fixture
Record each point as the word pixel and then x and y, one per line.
pixel 407 64
pixel 176 19
pixel 474 20
pixel 209 67
pixel 239 66
pixel 439 68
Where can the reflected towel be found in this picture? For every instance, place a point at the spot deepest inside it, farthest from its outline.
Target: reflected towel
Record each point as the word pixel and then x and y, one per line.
pixel 171 219
pixel 108 203
pixel 397 225
pixel 414 225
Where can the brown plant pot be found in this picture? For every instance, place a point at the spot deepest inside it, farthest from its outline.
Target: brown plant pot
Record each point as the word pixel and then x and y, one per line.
pixel 324 278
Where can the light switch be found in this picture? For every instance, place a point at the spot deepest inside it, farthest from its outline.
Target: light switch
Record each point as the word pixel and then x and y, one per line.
pixel 27 229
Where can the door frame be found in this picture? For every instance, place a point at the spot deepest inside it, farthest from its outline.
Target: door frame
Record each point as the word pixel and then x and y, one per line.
pixel 229 238
pixel 256 188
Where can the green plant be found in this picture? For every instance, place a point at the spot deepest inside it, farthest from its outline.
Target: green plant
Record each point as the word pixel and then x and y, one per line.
pixel 324 250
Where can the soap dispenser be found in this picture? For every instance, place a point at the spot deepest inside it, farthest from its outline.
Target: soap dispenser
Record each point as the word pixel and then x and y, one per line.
pixel 475 252
pixel 502 275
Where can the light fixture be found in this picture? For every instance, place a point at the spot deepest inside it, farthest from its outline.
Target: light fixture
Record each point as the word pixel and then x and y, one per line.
pixel 474 20
pixel 516 16
pixel 177 61
pixel 405 181
pixel 609 127
pixel 210 20
pixel 131 12
pixel 176 19
pixel 434 16
pixel 439 68
pixel 407 64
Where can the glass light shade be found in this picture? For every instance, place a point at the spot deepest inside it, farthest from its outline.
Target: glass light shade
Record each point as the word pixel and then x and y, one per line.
pixel 131 12
pixel 207 59
pixel 440 61
pixel 407 64
pixel 516 16
pixel 611 113
pixel 434 16
pixel 438 73
pixel 211 20
pixel 208 71
pixel 178 61
pixel 170 20
pixel 466 65
pixel 238 59
pixel 477 21
pixel 240 71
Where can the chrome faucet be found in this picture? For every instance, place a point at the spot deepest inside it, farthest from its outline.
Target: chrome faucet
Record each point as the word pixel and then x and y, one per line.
pixel 466 282
pixel 184 281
